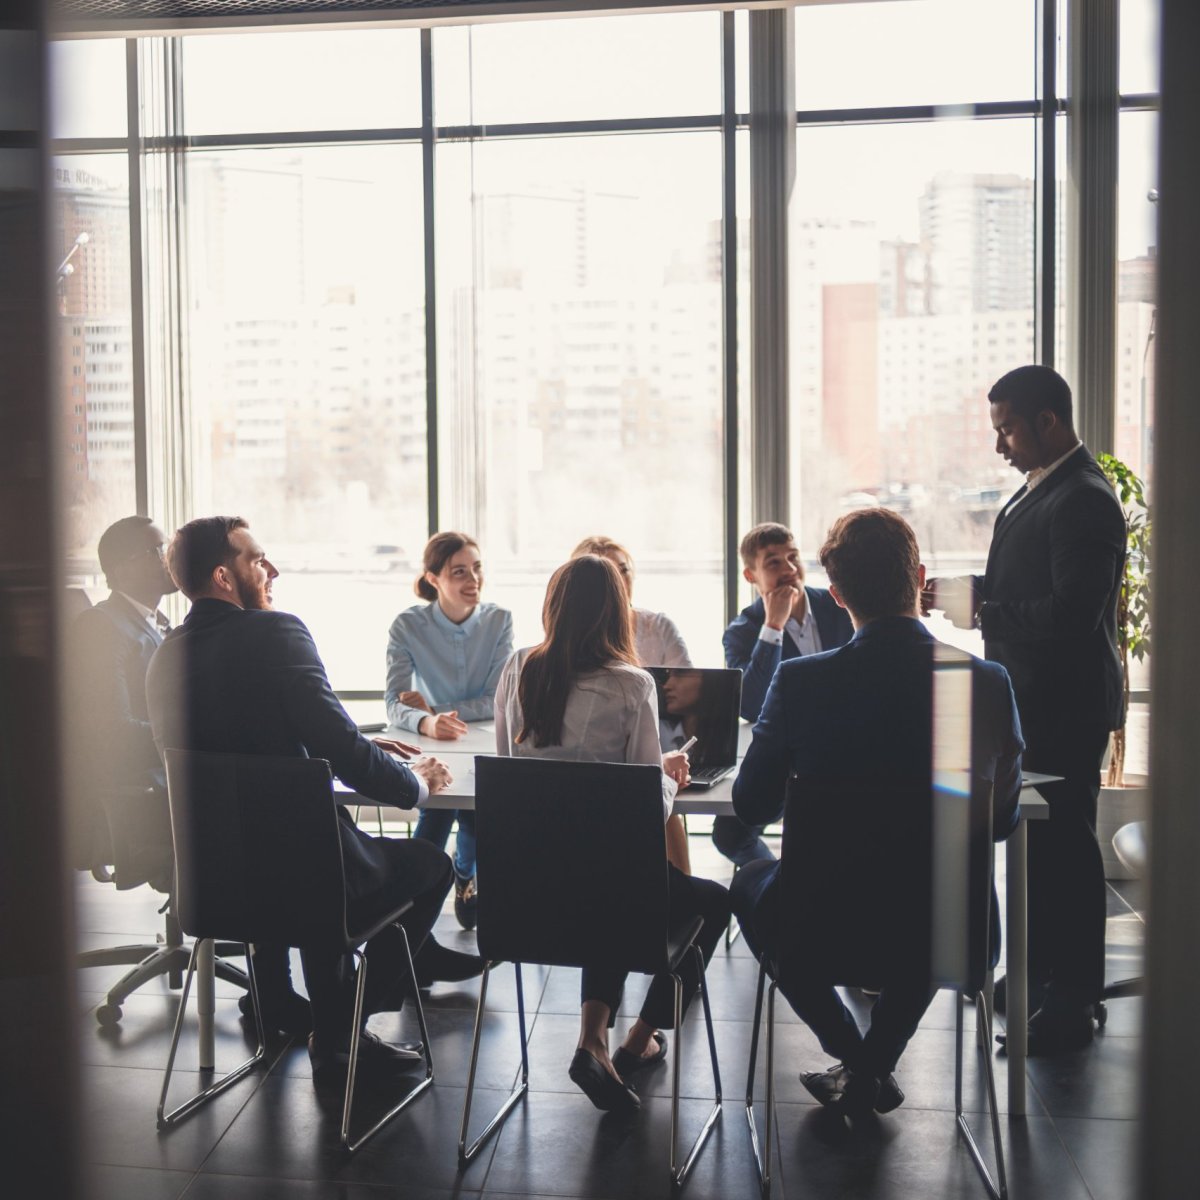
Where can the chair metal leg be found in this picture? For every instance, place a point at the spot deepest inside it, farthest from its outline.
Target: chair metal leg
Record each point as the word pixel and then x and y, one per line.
pixel 733 928
pixel 762 1156
pixel 351 1146
pixel 997 1188
pixel 679 1176
pixel 467 1154
pixel 166 1119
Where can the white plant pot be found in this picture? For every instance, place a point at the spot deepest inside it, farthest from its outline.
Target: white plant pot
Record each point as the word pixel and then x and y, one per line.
pixel 1119 806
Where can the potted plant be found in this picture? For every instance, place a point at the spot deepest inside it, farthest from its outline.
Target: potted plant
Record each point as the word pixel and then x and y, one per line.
pixel 1123 800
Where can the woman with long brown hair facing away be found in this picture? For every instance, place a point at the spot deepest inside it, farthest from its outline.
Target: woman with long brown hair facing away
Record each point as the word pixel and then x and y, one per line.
pixel 580 695
pixel 443 660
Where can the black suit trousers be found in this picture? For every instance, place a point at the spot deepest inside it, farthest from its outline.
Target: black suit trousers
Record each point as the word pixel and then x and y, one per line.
pixel 1067 902
pixel 897 1013
pixel 417 871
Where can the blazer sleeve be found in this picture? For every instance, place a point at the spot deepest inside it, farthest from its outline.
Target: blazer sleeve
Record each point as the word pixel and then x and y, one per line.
pixel 325 727
pixel 760 789
pixel 1087 548
pixel 481 707
pixel 400 671
pixel 756 659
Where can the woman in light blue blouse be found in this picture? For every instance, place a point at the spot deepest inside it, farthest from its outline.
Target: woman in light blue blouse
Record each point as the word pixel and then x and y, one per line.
pixel 443 662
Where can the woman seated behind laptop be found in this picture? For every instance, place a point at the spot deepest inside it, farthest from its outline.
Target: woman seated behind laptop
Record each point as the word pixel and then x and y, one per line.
pixel 579 695
pixel 657 642
pixel 443 660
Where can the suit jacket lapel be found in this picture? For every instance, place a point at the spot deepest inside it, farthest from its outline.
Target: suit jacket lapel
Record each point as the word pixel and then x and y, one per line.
pixel 1077 462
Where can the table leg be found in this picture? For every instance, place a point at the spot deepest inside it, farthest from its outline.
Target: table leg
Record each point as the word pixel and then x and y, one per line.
pixel 1017 1018
pixel 206 1003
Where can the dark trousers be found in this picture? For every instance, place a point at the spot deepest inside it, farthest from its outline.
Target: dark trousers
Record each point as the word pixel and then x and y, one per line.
pixel 739 842
pixel 1067 901
pixel 416 871
pixel 755 894
pixel 689 898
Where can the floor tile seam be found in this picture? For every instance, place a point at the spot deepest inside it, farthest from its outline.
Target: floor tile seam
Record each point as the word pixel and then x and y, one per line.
pixel 385 1189
pixel 1071 1157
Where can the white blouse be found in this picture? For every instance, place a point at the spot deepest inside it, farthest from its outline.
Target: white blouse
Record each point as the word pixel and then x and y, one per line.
pixel 657 641
pixel 611 716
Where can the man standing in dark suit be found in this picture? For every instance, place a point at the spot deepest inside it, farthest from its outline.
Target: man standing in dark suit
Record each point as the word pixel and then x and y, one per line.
pixel 863 715
pixel 1047 608
pixel 237 677
pixel 789 619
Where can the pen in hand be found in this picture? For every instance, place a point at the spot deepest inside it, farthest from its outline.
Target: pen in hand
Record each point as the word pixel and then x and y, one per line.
pixel 687 745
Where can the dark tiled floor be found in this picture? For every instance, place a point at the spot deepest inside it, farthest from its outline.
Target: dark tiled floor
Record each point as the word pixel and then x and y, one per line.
pixel 270 1137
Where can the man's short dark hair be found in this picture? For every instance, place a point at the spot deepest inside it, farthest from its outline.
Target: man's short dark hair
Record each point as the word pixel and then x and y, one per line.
pixel 871 557
pixel 769 533
pixel 1034 389
pixel 198 549
pixel 121 541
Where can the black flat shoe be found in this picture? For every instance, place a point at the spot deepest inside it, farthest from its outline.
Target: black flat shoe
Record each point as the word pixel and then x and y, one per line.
pixel 435 962
pixel 605 1092
pixel 375 1058
pixel 850 1093
pixel 626 1063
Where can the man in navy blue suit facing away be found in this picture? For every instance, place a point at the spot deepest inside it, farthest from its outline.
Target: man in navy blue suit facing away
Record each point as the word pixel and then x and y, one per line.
pixel 787 620
pixel 861 714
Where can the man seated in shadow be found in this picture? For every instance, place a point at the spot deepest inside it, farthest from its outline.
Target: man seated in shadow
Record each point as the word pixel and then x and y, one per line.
pixel 111 648
pixel 237 677
pixel 855 714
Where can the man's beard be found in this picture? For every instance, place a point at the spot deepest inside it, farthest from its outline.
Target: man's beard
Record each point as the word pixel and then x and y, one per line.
pixel 252 597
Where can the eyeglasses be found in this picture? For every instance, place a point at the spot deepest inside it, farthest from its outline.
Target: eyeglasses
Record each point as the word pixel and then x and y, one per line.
pixel 159 552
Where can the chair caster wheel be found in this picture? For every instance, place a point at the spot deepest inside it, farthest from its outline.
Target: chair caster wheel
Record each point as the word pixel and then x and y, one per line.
pixel 1101 1013
pixel 107 1015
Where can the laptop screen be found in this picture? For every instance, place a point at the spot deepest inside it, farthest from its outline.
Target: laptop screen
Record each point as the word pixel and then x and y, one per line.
pixel 702 703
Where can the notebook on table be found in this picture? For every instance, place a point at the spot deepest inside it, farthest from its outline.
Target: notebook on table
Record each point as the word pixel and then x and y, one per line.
pixel 700 702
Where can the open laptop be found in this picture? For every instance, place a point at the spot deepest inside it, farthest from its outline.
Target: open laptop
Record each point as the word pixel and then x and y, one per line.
pixel 700 702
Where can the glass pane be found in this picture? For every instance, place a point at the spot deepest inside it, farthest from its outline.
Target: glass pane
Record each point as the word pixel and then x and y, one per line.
pixel 912 292
pixel 1138 269
pixel 284 82
pixel 307 382
pixel 917 52
pixel 580 364
pixel 1140 45
pixel 87 89
pixel 642 66
pixel 93 360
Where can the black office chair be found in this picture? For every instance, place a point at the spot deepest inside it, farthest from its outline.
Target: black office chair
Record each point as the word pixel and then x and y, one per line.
pixel 259 859
pixel 913 881
pixel 572 855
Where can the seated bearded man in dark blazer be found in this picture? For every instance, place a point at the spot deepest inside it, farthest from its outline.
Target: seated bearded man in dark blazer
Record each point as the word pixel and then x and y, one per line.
pixel 787 620
pixel 238 677
pixel 857 714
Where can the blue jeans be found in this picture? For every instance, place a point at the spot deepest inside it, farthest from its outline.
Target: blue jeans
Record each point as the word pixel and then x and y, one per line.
pixel 433 825
pixel 739 842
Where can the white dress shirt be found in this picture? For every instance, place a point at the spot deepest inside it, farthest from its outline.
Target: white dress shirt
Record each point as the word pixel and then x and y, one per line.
pixel 611 716
pixel 804 633
pixel 1037 476
pixel 658 642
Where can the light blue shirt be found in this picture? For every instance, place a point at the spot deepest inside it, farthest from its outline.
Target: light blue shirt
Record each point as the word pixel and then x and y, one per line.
pixel 455 667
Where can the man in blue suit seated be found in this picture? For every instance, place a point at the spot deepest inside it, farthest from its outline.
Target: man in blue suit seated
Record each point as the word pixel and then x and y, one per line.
pixel 788 620
pixel 856 714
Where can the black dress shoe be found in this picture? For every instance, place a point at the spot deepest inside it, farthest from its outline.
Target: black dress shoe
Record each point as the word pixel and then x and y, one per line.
pixel 1037 995
pixel 1057 1029
pixel 375 1057
pixel 466 902
pixel 605 1092
pixel 288 1013
pixel 890 1095
pixel 626 1064
pixel 853 1093
pixel 435 962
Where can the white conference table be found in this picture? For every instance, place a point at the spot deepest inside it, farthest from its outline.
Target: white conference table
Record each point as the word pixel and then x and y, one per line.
pixel 480 738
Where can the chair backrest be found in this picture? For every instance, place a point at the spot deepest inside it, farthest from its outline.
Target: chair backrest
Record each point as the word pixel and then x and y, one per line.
pixel 571 861
pixel 884 877
pixel 139 827
pixel 257 849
